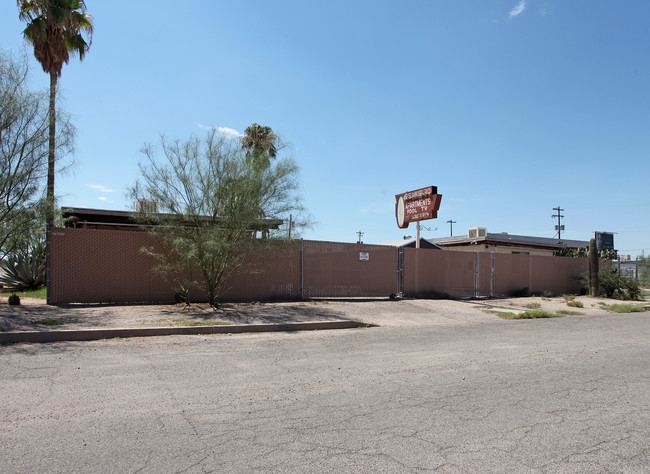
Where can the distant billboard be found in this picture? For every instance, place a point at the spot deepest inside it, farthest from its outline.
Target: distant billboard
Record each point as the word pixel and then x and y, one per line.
pixel 605 240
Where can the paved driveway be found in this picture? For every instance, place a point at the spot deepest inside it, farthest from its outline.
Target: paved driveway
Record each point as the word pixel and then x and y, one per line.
pixel 440 390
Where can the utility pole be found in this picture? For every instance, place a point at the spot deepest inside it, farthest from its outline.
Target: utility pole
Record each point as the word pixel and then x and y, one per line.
pixel 559 227
pixel 360 234
pixel 451 227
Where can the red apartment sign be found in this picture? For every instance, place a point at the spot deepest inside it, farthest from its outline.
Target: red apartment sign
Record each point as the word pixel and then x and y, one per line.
pixel 417 205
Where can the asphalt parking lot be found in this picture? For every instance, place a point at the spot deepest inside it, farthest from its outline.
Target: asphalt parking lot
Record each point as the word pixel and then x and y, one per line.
pixel 454 392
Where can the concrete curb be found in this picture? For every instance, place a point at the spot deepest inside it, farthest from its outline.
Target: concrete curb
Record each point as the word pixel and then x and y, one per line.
pixel 95 334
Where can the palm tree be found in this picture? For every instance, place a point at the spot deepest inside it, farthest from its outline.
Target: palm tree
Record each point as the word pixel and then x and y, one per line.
pixel 261 145
pixel 55 28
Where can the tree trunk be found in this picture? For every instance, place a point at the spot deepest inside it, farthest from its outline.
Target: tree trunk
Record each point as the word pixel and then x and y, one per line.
pixel 51 153
pixel 49 205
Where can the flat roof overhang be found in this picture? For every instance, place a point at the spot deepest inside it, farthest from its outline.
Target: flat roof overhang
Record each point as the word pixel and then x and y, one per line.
pixel 79 216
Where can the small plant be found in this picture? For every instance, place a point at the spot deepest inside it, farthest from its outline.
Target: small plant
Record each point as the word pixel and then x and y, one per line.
pixel 531 314
pixel 23 272
pixel 49 322
pixel 14 300
pixel 533 306
pixel 623 308
pixel 566 312
pixel 568 298
pixel 575 304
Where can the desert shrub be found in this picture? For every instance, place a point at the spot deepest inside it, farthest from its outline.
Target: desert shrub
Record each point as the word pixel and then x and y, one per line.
pixel 575 304
pixel 23 272
pixel 614 285
pixel 533 306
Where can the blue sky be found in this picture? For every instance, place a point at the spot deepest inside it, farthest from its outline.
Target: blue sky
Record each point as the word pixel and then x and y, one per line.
pixel 510 107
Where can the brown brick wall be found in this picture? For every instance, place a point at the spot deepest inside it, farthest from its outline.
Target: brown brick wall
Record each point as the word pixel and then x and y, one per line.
pixel 107 266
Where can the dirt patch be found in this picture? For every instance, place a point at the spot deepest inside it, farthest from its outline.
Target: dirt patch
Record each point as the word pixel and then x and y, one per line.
pixel 380 311
pixel 21 318
pixel 587 305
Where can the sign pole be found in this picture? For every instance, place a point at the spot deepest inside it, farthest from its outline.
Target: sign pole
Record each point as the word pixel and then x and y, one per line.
pixel 417 235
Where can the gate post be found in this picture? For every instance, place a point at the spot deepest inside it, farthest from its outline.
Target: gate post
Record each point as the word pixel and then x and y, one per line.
pixel 476 274
pixel 492 275
pixel 400 271
pixel 302 269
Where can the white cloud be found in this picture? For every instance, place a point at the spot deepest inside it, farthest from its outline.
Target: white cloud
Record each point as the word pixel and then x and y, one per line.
pixel 100 188
pixel 102 198
pixel 518 9
pixel 229 132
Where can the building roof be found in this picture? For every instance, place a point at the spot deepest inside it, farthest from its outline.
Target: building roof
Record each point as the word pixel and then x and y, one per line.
pixel 410 241
pixel 104 218
pixel 503 238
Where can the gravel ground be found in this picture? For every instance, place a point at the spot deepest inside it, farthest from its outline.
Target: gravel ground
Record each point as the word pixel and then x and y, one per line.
pixel 380 311
pixel 32 311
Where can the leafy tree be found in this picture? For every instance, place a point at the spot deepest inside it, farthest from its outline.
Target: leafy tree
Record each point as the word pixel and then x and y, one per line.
pixel 55 28
pixel 210 197
pixel 261 145
pixel 24 138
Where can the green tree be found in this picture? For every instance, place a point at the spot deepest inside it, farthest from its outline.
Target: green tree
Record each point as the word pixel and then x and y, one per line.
pixel 55 28
pixel 210 197
pixel 261 145
pixel 24 139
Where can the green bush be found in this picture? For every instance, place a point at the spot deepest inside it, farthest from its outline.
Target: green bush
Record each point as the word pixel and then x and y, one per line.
pixel 613 285
pixel 23 272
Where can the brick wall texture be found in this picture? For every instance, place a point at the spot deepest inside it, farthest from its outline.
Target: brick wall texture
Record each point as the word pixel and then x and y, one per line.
pixel 108 266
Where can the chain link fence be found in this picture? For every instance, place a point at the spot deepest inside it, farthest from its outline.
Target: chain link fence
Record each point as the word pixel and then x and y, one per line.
pixel 637 269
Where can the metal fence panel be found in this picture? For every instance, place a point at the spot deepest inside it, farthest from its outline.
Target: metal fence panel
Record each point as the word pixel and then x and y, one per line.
pixel 102 266
pixel 341 269
pixel 431 271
